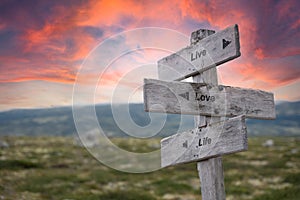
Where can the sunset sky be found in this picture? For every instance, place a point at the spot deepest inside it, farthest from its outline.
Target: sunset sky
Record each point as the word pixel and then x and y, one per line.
pixel 43 45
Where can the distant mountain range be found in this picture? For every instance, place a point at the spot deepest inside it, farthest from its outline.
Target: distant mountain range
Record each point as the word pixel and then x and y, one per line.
pixel 59 121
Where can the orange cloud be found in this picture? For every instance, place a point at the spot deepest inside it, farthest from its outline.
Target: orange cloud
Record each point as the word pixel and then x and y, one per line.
pixel 2 26
pixel 259 74
pixel 21 69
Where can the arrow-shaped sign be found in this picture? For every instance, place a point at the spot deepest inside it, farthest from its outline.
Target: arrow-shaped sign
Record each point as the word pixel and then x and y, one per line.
pixel 209 52
pixel 195 98
pixel 221 138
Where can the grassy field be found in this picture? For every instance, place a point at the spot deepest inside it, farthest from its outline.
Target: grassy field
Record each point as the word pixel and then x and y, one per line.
pixel 54 168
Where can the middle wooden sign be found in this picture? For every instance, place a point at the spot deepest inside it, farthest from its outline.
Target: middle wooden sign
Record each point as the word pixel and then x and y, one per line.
pixel 198 98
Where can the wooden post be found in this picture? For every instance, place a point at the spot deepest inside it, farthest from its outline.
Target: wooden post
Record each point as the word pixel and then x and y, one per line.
pixel 210 171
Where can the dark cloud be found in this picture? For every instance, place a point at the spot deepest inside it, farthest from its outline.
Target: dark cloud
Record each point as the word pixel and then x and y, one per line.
pixel 277 29
pixel 93 31
pixel 8 42
pixel 23 14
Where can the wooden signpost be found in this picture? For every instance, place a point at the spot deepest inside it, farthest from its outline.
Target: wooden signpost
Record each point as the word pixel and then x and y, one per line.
pixel 208 101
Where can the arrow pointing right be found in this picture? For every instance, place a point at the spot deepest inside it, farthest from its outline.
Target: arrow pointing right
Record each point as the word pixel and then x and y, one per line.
pixel 226 43
pixel 207 53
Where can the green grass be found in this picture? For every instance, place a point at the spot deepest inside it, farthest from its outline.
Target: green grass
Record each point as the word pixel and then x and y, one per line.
pixel 18 164
pixel 165 186
pixel 293 178
pixel 126 195
pixel 42 168
pixel 292 193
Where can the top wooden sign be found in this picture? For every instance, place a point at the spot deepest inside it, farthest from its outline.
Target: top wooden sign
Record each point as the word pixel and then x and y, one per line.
pixel 209 52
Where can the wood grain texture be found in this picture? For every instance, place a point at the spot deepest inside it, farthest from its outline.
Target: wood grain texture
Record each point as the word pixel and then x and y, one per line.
pixel 200 34
pixel 205 54
pixel 212 179
pixel 217 139
pixel 196 98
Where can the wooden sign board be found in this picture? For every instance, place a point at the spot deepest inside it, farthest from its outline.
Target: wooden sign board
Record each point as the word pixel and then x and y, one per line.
pixel 209 52
pixel 196 98
pixel 197 144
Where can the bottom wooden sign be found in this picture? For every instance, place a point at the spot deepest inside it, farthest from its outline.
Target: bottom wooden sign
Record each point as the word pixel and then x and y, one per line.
pixel 217 139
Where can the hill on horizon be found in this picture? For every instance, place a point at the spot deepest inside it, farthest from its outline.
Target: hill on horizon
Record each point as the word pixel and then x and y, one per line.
pixel 59 121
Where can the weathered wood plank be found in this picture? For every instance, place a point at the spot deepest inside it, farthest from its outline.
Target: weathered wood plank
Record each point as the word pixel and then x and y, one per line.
pixel 200 34
pixel 212 179
pixel 195 98
pixel 197 144
pixel 205 54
